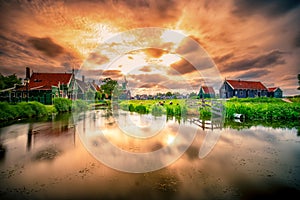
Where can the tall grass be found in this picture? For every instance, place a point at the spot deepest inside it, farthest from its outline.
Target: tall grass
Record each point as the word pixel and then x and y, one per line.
pixel 66 105
pixel 174 107
pixel 62 104
pixel 264 111
pixel 21 110
pixel 256 100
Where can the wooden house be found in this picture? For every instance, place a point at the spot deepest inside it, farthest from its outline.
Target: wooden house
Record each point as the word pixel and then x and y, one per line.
pixel 43 87
pixel 242 89
pixel 275 92
pixel 83 87
pixel 206 92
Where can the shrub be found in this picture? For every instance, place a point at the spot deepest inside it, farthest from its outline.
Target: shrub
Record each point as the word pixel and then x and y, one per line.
pixel 205 113
pixel 157 110
pixel 38 108
pixel 264 111
pixel 141 109
pixel 79 105
pixel 62 104
pixel 25 110
pixel 131 108
pixel 170 110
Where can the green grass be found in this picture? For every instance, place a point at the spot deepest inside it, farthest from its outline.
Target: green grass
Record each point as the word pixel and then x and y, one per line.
pixel 264 111
pixel 256 100
pixel 32 109
pixel 295 99
pixel 252 108
pixel 174 107
pixel 22 110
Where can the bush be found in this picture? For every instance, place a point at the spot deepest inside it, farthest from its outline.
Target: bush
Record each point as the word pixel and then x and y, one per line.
pixel 131 108
pixel 79 105
pixel 50 109
pixel 38 108
pixel 170 110
pixel 157 110
pixel 256 100
pixel 25 110
pixel 62 104
pixel 205 112
pixel 21 110
pixel 264 111
pixel 141 109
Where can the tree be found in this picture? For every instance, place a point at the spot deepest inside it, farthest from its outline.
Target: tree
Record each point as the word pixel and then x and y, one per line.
pixel 169 94
pixel 99 95
pixel 192 94
pixel 9 81
pixel 108 86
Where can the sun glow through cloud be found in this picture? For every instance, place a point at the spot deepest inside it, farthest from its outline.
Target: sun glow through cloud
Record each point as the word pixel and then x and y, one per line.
pixel 228 31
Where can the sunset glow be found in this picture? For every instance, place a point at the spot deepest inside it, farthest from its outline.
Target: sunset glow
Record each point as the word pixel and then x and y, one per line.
pixel 251 42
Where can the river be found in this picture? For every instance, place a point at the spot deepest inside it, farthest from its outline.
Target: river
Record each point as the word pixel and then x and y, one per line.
pixel 99 155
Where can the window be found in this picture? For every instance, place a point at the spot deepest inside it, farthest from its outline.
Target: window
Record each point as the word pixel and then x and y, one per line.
pixel 241 92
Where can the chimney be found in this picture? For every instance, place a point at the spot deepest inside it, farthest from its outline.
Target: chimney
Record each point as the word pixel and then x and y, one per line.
pixel 82 78
pixel 27 73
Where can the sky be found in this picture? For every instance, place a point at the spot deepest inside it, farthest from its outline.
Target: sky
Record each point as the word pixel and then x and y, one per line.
pixel 236 39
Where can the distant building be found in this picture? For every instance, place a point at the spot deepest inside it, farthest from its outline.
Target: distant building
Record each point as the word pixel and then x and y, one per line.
pixel 206 92
pixel 242 89
pixel 83 87
pixel 275 92
pixel 125 93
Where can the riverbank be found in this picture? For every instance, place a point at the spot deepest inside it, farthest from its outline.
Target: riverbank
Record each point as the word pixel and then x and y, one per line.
pixel 25 110
pixel 251 108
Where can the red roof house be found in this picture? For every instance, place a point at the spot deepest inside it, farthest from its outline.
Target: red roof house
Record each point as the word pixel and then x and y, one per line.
pixel 43 87
pixel 242 89
pixel 275 92
pixel 206 92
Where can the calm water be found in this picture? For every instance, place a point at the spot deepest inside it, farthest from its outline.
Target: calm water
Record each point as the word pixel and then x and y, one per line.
pixel 59 159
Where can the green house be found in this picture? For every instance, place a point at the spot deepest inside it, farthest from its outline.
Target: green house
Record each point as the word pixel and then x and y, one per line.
pixel 275 92
pixel 43 87
pixel 206 92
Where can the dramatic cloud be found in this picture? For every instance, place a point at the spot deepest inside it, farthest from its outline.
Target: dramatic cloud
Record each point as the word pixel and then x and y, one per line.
pixel 181 67
pixel 263 61
pixel 254 74
pixel 153 85
pixel 114 74
pixel 297 40
pixel 47 46
pixel 147 78
pixel 223 58
pixel 269 8
pixel 155 53
pixel 97 58
pixel 245 38
pixel 145 69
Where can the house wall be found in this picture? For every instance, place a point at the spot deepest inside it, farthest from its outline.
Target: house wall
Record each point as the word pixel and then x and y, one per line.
pixel 227 92
pixel 204 95
pixel 278 93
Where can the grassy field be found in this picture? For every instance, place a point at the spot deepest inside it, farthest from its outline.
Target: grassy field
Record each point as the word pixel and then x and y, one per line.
pixel 174 107
pixel 252 108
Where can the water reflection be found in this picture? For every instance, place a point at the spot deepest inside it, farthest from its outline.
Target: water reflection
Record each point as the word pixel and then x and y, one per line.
pixel 47 160
pixel 134 143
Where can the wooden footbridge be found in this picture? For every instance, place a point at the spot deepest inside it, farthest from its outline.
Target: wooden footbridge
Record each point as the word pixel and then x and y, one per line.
pixel 217 113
